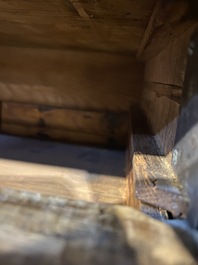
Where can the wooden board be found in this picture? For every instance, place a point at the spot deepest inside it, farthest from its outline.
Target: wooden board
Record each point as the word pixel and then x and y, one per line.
pixel 169 66
pixel 154 181
pixel 79 126
pixel 77 80
pixel 161 105
pixel 55 231
pixel 95 25
pixel 66 171
pixel 169 20
pixel 164 76
pixel 131 198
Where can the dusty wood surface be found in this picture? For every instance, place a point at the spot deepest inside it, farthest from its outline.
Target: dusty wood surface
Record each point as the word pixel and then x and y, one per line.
pixel 46 230
pixel 66 171
pixel 88 127
pixel 111 26
pixel 154 180
pixel 146 205
pixel 149 29
pixel 72 79
pixel 170 20
pixel 132 199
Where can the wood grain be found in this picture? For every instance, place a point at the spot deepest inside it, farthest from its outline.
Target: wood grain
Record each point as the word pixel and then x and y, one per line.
pixel 150 28
pixel 55 231
pixel 155 182
pixel 131 188
pixel 161 105
pixel 77 80
pixel 164 76
pixel 170 20
pixel 107 128
pixel 169 66
pixel 49 168
pixel 97 25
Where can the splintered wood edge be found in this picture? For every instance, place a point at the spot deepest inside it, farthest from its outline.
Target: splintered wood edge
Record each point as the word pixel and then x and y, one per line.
pixel 156 184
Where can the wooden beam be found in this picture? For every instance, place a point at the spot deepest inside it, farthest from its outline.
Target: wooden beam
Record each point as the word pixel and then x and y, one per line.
pixel 150 28
pixel 132 199
pixel 73 172
pixel 70 79
pixel 154 180
pixel 169 20
pixel 98 26
pixel 108 128
pixel 49 230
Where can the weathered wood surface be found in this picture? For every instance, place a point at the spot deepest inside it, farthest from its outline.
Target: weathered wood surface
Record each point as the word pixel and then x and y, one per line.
pixel 170 20
pixel 66 171
pixel 149 29
pixel 78 126
pixel 131 199
pixel 164 76
pixel 169 66
pixel 161 105
pixel 93 25
pixel 71 79
pixel 46 230
pixel 147 205
pixel 154 180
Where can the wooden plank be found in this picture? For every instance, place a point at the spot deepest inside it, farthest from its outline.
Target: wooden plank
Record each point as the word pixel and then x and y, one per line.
pixel 109 26
pixel 164 76
pixel 161 106
pixel 56 231
pixel 169 66
pixel 54 134
pixel 131 198
pixel 154 179
pixel 77 80
pixel 66 171
pixel 163 37
pixel 134 202
pixel 150 28
pixel 173 19
pixel 110 125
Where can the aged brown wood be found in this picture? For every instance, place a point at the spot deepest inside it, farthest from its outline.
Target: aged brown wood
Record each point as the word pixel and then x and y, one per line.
pixel 88 127
pixel 164 76
pixel 111 26
pixel 72 79
pixel 150 28
pixel 169 66
pixel 66 171
pixel 76 137
pixel 161 104
pixel 50 230
pixel 170 20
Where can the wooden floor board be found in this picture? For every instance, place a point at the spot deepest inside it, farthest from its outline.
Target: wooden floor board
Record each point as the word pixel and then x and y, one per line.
pixel 69 171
